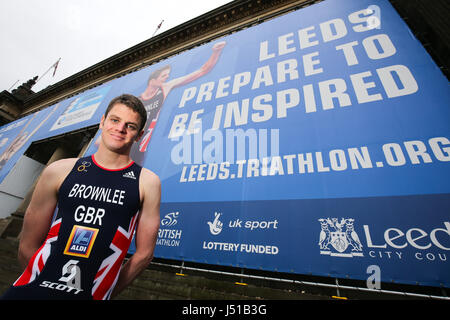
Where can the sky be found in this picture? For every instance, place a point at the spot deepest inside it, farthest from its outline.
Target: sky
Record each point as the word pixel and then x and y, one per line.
pixel 34 34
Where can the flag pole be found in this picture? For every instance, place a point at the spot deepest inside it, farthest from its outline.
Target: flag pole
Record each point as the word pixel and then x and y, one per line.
pixel 55 65
pixel 157 28
pixel 13 85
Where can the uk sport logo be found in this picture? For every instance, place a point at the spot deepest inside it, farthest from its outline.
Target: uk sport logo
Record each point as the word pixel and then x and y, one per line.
pixel 339 238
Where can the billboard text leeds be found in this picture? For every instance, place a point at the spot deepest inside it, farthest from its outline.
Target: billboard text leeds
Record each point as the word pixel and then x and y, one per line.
pixel 314 143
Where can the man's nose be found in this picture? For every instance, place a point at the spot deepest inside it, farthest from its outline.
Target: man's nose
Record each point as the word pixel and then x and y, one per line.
pixel 121 127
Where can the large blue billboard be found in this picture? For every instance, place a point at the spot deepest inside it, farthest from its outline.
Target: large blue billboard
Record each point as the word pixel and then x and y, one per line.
pixel 314 143
pixel 317 144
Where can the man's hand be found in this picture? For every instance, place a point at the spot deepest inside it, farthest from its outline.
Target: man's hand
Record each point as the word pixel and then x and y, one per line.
pixel 219 46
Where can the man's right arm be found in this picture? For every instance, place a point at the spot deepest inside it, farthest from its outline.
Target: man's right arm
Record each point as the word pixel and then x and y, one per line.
pixel 39 214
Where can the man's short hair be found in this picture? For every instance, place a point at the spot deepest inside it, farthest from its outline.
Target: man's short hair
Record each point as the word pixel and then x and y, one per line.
pixel 131 102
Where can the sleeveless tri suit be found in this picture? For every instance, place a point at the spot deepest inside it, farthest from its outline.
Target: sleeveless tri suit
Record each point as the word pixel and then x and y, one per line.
pixel 89 236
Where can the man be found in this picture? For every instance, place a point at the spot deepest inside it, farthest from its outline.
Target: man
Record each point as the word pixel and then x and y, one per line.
pixel 157 90
pixel 101 200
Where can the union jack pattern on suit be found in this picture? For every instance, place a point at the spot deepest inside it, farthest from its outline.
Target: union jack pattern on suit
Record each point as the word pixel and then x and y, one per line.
pixel 39 259
pixel 108 273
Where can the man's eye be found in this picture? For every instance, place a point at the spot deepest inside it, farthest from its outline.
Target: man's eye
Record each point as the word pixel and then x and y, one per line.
pixel 131 127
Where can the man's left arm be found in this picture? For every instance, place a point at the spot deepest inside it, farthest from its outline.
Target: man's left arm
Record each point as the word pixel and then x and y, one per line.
pixel 146 232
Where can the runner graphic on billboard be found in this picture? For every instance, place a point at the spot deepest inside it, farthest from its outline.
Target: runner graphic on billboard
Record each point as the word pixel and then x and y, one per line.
pixel 157 90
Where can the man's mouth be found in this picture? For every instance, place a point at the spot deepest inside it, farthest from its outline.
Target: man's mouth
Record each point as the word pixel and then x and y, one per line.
pixel 117 137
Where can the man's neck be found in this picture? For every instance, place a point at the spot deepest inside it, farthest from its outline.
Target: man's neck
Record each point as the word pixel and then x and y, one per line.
pixel 112 160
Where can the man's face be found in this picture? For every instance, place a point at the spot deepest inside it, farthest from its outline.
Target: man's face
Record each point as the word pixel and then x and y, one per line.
pixel 120 128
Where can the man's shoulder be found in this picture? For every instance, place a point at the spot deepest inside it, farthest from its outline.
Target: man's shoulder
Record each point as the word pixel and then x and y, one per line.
pixel 60 167
pixel 150 188
pixel 55 173
pixel 149 178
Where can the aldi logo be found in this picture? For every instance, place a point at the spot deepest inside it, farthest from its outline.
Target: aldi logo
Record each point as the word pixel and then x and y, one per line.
pixel 80 241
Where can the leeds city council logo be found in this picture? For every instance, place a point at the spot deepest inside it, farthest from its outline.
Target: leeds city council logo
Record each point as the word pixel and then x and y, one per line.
pixel 339 238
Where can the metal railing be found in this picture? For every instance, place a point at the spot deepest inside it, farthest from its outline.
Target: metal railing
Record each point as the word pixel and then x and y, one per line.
pixel 336 286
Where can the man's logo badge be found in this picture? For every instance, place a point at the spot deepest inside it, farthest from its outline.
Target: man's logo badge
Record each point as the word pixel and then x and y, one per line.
pixel 83 166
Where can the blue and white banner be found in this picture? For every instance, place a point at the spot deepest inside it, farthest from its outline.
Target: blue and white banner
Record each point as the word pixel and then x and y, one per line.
pixel 318 144
pixel 17 136
pixel 80 111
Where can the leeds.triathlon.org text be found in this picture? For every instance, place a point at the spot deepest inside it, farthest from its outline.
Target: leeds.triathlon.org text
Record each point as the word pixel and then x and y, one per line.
pixel 393 154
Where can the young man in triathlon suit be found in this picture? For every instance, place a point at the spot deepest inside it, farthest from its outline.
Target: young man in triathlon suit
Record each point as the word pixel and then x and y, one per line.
pixel 157 91
pixel 101 199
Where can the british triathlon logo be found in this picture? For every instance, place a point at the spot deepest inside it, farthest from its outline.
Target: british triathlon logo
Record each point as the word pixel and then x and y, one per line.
pixel 81 241
pixel 170 219
pixel 339 238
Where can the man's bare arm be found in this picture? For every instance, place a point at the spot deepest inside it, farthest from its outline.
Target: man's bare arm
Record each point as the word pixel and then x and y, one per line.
pixel 146 232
